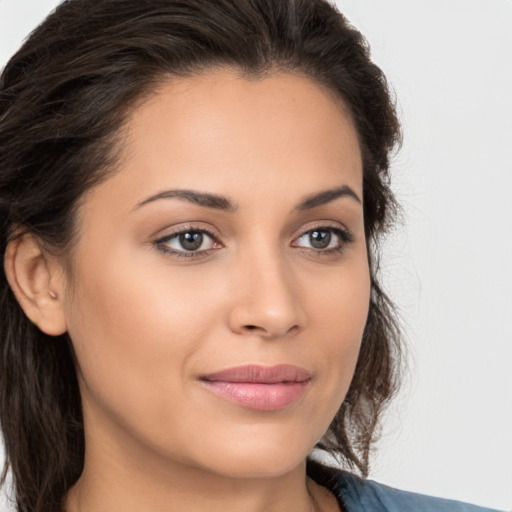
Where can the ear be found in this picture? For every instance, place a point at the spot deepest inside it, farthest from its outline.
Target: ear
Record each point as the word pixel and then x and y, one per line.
pixel 29 271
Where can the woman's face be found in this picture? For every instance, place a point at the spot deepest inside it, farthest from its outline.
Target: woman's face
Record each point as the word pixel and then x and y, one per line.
pixel 220 282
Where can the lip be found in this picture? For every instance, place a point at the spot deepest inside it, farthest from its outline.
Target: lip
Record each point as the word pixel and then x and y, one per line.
pixel 264 388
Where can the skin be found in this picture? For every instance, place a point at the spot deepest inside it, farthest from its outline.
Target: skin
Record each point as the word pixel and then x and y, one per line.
pixel 146 324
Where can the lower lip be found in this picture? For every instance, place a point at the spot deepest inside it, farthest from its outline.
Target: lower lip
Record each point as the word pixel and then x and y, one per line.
pixel 261 397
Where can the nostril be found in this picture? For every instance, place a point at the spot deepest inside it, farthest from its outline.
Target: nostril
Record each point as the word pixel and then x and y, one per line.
pixel 268 332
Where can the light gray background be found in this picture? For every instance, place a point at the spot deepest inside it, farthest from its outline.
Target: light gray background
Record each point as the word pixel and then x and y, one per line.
pixel 449 266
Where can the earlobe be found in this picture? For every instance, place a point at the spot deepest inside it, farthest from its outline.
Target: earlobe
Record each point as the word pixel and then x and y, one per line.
pixel 29 273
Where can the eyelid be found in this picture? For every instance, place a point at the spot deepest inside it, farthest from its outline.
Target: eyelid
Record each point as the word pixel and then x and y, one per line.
pixel 345 236
pixel 160 242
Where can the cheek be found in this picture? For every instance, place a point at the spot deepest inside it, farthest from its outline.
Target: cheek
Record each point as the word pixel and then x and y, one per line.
pixel 341 302
pixel 134 331
pixel 340 319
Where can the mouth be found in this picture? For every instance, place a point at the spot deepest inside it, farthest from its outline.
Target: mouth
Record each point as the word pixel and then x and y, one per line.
pixel 263 388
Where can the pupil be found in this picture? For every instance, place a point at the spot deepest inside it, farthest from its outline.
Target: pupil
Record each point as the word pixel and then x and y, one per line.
pixel 191 241
pixel 320 239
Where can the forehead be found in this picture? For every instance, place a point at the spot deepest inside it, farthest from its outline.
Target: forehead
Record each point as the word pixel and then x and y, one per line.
pixel 237 136
pixel 244 104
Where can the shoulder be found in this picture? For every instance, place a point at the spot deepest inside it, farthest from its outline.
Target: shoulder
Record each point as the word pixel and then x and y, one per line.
pixel 358 495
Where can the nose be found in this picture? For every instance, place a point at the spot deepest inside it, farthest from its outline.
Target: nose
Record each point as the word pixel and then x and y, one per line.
pixel 266 299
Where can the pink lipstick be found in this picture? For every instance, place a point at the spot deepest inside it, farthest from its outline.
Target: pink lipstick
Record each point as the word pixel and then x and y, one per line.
pixel 264 388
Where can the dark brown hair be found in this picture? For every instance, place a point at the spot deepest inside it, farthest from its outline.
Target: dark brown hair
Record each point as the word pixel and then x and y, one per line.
pixel 63 99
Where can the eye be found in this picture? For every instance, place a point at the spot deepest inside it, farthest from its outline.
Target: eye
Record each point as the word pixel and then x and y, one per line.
pixel 324 239
pixel 187 242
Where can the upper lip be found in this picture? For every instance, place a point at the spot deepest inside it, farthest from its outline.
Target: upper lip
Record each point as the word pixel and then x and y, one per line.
pixel 260 374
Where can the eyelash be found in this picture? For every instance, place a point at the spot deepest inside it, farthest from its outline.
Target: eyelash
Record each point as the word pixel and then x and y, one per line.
pixel 345 237
pixel 160 243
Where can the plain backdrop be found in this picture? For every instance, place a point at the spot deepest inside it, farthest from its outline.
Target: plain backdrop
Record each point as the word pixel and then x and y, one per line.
pixel 448 267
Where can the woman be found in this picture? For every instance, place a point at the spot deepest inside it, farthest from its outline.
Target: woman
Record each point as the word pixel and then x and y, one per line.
pixel 191 197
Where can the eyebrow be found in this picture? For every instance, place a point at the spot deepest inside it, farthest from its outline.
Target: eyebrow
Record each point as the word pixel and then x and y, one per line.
pixel 327 196
pixel 217 202
pixel 200 198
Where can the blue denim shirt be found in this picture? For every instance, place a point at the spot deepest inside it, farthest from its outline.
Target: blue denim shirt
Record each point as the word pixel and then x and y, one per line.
pixel 358 495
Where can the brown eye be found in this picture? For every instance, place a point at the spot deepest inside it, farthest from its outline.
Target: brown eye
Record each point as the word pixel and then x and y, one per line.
pixel 320 239
pixel 324 239
pixel 188 242
pixel 191 240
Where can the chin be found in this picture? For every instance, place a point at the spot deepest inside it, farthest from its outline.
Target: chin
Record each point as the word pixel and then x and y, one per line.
pixel 259 467
pixel 262 456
